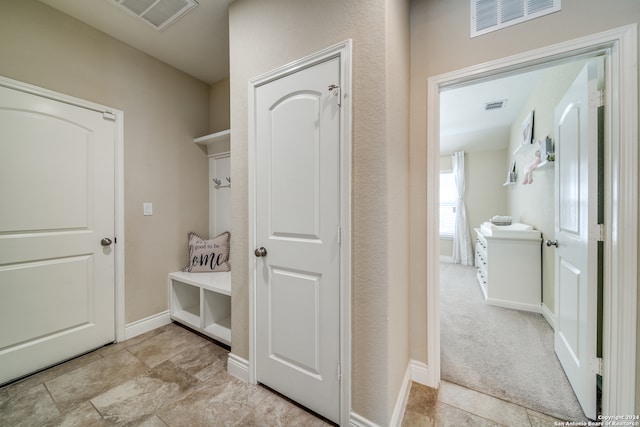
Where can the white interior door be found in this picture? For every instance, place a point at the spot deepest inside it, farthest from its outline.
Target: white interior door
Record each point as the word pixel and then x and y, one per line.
pixel 576 230
pixel 57 280
pixel 297 223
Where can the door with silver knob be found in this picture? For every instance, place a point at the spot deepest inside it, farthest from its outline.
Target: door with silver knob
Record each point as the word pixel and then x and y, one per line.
pixel 57 284
pixel 576 209
pixel 552 243
pixel 297 216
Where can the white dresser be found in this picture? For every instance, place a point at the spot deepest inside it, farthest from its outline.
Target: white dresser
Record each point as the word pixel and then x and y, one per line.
pixel 509 267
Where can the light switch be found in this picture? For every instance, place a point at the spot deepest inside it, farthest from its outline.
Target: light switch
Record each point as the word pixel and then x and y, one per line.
pixel 147 208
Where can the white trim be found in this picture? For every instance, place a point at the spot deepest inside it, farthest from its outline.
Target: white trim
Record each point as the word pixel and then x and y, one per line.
pixel 118 185
pixel 533 308
pixel 621 246
pixel 343 51
pixel 119 227
pixel 401 401
pixel 548 315
pixel 357 420
pixel 147 324
pixel 420 373
pixel 446 259
pixel 238 367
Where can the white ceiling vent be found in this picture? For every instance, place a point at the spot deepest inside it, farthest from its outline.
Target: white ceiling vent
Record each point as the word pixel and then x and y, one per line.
pixel 157 13
pixel 492 15
pixel 495 105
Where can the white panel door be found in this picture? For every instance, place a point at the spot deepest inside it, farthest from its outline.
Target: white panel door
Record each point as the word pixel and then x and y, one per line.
pixel 576 127
pixel 57 204
pixel 297 219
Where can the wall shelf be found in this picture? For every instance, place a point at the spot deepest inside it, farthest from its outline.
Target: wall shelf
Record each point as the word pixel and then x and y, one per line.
pixel 213 138
pixel 547 164
pixel 216 142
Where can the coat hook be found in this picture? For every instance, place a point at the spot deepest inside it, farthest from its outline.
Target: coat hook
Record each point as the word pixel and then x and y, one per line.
pixel 217 181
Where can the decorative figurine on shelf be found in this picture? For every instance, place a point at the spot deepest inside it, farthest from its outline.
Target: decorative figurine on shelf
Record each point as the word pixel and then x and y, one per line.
pixel 528 172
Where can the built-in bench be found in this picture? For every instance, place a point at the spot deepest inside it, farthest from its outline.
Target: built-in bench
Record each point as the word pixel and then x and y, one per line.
pixel 202 301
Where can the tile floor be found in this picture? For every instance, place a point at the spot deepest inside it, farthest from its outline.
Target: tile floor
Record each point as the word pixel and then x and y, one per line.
pixel 167 377
pixel 455 406
pixel 174 377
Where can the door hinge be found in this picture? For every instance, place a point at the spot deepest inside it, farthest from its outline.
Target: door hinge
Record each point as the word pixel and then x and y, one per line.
pixel 598 366
pixel 108 116
pixel 339 371
pixel 335 90
pixel 598 99
pixel 597 233
pixel 339 236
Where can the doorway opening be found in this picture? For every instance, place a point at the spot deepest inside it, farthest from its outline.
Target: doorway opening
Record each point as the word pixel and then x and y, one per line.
pixel 497 307
pixel 620 165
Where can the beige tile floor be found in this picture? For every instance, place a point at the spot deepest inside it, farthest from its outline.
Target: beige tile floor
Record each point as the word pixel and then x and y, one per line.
pixel 453 405
pixel 174 377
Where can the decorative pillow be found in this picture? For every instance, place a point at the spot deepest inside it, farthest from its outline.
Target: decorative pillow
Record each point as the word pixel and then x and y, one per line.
pixel 208 255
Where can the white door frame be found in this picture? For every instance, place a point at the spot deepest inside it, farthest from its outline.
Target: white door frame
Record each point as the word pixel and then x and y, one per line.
pixel 621 198
pixel 343 51
pixel 118 117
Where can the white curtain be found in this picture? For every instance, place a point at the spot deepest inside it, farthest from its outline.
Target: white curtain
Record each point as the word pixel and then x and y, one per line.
pixel 462 249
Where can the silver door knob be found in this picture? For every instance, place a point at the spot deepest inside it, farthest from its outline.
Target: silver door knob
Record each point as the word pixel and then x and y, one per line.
pixel 106 241
pixel 261 251
pixel 552 243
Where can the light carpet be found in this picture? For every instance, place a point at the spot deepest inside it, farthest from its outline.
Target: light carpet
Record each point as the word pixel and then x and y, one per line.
pixel 505 353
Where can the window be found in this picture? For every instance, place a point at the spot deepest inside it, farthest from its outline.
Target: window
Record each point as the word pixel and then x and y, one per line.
pixel 448 202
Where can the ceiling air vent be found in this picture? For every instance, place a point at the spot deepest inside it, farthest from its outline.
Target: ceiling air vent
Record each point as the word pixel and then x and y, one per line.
pixel 157 13
pixel 492 15
pixel 495 105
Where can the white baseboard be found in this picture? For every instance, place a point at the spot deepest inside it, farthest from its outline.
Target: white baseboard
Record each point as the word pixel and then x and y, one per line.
pixel 514 305
pixel 356 420
pixel 403 396
pixel 447 259
pixel 238 367
pixel 416 371
pixel 420 373
pixel 548 316
pixel 147 324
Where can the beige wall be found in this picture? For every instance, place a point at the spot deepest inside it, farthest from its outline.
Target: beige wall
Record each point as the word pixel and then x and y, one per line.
pixel 397 142
pixel 164 109
pixel 219 113
pixel 486 196
pixel 266 35
pixel 440 43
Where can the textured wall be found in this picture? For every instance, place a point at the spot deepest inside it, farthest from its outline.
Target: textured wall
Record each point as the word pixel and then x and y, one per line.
pixel 440 43
pixel 397 146
pixel 266 35
pixel 219 113
pixel 164 109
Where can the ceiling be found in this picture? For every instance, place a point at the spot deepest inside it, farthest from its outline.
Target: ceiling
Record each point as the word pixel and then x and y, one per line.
pixel 198 43
pixel 464 122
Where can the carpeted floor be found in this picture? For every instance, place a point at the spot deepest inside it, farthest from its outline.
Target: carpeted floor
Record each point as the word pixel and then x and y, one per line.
pixel 498 351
